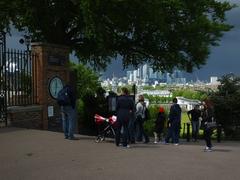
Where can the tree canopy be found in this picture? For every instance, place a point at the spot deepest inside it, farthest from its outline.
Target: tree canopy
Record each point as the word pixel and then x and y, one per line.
pixel 226 104
pixel 87 80
pixel 167 34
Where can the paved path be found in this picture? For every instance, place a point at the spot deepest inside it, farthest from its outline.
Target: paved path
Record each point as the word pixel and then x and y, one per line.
pixel 43 155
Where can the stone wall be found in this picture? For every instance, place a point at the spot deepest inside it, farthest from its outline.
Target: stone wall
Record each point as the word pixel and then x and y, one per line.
pixel 25 116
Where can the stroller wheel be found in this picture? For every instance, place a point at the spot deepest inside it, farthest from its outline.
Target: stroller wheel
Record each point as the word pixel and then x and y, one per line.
pixel 99 139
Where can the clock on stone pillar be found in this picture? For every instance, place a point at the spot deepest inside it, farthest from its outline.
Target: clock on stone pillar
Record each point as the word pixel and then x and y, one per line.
pixel 52 74
pixel 55 85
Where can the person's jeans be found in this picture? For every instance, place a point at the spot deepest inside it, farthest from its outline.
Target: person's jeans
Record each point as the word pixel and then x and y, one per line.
pixel 195 129
pixel 140 131
pixel 207 137
pixel 68 121
pixel 124 125
pixel 173 132
pixel 131 129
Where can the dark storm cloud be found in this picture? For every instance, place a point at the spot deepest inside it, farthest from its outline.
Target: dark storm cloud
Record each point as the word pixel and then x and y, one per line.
pixel 224 58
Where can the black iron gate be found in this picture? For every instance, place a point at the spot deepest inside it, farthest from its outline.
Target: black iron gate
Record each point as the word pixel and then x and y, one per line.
pixel 18 78
pixel 3 102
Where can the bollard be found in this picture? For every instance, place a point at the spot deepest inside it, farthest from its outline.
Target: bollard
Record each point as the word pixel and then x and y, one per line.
pixel 219 133
pixel 188 132
pixel 184 130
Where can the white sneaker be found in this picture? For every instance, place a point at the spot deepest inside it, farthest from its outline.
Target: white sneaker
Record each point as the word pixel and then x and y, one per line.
pixel 176 144
pixel 126 146
pixel 155 142
pixel 207 149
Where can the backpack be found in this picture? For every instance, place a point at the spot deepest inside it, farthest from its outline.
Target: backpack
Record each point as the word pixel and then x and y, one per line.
pixel 146 113
pixel 63 98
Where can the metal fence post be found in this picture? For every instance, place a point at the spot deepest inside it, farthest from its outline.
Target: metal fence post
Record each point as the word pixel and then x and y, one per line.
pixel 188 132
pixel 219 132
pixel 184 128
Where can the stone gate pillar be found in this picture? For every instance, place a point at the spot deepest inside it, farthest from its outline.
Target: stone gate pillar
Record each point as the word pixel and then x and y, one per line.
pixel 52 70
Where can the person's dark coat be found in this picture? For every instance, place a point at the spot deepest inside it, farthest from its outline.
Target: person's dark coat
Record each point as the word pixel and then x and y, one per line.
pixel 125 108
pixel 175 114
pixel 160 121
pixel 71 95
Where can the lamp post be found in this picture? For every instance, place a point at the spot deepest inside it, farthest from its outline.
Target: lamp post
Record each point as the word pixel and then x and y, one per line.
pixel 27 41
pixel 134 91
pixel 3 80
pixel 2 48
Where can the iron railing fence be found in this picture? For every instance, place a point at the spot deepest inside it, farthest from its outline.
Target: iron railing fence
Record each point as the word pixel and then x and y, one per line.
pixel 3 106
pixel 18 76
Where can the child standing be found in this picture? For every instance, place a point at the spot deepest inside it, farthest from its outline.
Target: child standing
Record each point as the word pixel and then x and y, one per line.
pixel 159 125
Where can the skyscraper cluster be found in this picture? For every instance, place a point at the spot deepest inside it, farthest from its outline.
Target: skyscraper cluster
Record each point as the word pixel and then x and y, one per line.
pixel 145 75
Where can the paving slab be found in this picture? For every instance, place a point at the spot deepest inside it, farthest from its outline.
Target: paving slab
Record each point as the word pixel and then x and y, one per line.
pixel 27 154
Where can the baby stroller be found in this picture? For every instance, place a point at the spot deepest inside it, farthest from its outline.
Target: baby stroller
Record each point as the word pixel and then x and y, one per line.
pixel 107 125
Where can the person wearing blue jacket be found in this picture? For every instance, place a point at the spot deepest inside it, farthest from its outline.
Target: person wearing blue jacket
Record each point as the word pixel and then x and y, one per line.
pixel 68 113
pixel 174 119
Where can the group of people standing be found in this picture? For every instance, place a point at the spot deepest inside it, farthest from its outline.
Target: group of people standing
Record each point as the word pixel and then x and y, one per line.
pixel 173 124
pixel 202 119
pixel 131 118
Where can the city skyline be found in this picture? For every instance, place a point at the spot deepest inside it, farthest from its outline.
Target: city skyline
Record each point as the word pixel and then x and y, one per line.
pixel 144 75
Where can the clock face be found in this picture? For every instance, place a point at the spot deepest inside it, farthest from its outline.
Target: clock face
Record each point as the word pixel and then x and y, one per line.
pixel 55 85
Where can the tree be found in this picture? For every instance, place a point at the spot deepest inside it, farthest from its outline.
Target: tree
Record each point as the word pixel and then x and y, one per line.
pixel 226 104
pixel 167 34
pixel 91 97
pixel 87 80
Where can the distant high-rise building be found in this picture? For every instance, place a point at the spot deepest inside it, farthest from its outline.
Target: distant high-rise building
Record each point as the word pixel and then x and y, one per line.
pixel 152 74
pixel 131 77
pixel 214 80
pixel 145 71
pixel 129 74
pixel 168 78
pixel 135 75
pixel 177 74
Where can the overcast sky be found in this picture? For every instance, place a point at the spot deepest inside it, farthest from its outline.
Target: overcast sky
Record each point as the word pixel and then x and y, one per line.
pixel 223 59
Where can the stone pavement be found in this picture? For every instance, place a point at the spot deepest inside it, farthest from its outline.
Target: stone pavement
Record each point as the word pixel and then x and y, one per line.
pixel 43 155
